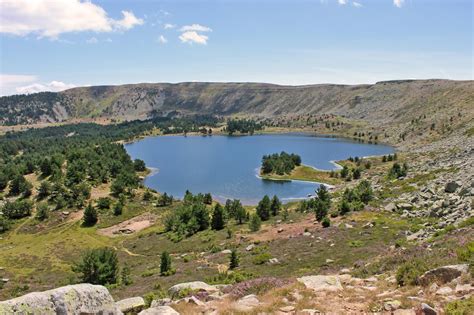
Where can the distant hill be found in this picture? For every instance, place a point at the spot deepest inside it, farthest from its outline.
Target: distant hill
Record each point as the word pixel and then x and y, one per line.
pixel 384 101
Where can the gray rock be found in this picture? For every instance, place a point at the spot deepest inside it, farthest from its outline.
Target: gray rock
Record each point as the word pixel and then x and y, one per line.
pixel 451 187
pixel 427 310
pixel 444 291
pixel 159 310
pixel 131 305
pixel 392 305
pixel 322 283
pixel 250 247
pixel 194 285
pixel 247 303
pixel 160 302
pixel 443 274
pixel 72 299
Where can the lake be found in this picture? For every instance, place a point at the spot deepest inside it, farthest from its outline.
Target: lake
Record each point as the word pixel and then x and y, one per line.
pixel 227 166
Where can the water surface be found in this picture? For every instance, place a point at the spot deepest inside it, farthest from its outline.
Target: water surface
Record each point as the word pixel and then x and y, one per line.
pixel 227 167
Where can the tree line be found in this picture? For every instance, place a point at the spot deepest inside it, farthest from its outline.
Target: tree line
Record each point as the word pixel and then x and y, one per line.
pixel 280 164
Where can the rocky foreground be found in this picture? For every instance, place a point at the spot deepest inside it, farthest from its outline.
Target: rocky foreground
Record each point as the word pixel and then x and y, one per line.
pixel 341 293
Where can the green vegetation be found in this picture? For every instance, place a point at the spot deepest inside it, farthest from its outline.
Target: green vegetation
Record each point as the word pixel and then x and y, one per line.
pixel 244 126
pixel 98 266
pixel 280 164
pixel 319 205
pixel 354 199
pixel 409 272
pixel 398 171
pixel 166 268
pixel 234 259
pixel 460 307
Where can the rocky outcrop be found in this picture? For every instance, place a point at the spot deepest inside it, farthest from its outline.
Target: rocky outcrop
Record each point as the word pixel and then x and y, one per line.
pixel 131 305
pixel 322 283
pixel 443 274
pixel 72 299
pixel 194 286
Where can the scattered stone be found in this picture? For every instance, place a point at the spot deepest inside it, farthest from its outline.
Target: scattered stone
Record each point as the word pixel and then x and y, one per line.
pixel 464 288
pixel 250 247
pixel 348 226
pixel 444 291
pixel 345 270
pixel 451 187
pixel 443 274
pixel 274 261
pixel 306 234
pixel 280 230
pixel 131 305
pixel 392 305
pixel 391 207
pixel 287 309
pixel 328 261
pixel 322 283
pixel 247 303
pixel 405 206
pixel 72 299
pixel 226 251
pixel 427 310
pixel 160 302
pixel 159 310
pixel 194 300
pixel 5 280
pixel 404 312
pixel 308 311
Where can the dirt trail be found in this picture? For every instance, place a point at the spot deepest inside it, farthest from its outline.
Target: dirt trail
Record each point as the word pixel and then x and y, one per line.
pixel 130 226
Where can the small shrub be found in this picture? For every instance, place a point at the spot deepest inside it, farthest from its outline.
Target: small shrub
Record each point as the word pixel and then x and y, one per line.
pixel 460 307
pixel 326 222
pixel 262 258
pixel 409 272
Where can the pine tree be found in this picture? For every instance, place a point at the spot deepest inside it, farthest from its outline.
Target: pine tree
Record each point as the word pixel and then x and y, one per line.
pixel 90 215
pixel 263 208
pixel 275 206
pixel 125 275
pixel 234 259
pixel 165 265
pixel 217 222
pixel 207 199
pixel 42 212
pixel 255 223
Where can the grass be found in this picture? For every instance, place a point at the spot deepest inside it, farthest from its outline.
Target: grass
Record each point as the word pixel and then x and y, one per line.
pixel 305 173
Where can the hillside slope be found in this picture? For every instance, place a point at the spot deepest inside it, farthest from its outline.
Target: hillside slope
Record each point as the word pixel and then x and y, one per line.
pixel 398 101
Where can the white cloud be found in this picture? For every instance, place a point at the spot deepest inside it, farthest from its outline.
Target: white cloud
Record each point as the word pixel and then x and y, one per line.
pixel 129 20
pixel 168 26
pixel 357 4
pixel 193 37
pixel 92 40
pixel 53 86
pixel 48 18
pixel 162 39
pixel 195 28
pixel 342 2
pixel 398 3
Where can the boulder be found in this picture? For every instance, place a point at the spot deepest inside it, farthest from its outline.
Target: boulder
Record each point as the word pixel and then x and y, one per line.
pixel 443 274
pixel 159 310
pixel 131 305
pixel 247 303
pixel 72 299
pixel 392 305
pixel 451 187
pixel 194 285
pixel 427 310
pixel 322 283
pixel 444 291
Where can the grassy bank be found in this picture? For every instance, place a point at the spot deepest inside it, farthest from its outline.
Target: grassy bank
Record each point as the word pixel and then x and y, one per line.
pixel 305 173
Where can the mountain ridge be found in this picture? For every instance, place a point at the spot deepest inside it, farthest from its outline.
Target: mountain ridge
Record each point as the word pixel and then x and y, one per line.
pixel 378 101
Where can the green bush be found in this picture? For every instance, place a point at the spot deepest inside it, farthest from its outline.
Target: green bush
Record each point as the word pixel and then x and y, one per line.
pixel 460 307
pixel 262 258
pixel 230 277
pixel 98 266
pixel 326 222
pixel 409 272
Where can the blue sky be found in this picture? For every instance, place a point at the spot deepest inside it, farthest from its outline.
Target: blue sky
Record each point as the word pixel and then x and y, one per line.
pixel 56 44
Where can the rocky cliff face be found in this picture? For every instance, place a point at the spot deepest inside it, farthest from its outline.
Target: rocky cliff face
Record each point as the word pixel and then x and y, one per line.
pixel 384 101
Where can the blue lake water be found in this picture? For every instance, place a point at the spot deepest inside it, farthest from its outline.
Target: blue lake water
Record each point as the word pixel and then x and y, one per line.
pixel 227 167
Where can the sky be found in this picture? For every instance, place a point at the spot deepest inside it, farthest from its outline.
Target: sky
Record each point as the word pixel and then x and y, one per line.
pixel 52 45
